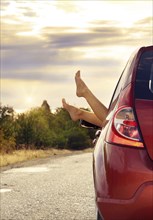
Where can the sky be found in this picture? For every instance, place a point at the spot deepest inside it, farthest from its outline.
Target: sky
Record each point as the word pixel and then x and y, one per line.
pixel 45 42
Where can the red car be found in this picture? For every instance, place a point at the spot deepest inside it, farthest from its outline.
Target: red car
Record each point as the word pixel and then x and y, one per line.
pixel 123 154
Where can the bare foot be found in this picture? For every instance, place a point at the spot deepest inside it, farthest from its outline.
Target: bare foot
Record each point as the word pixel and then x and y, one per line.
pixel 73 111
pixel 81 88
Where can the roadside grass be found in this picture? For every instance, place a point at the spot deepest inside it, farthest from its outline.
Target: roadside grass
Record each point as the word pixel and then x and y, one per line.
pixel 19 156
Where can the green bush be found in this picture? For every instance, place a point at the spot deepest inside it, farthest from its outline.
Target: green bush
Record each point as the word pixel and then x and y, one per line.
pixel 6 145
pixel 39 129
pixel 78 139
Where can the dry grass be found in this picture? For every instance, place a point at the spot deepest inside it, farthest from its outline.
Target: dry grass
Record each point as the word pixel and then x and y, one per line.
pixel 25 155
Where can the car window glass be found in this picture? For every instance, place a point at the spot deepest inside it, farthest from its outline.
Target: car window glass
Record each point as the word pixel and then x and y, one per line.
pixel 122 82
pixel 144 77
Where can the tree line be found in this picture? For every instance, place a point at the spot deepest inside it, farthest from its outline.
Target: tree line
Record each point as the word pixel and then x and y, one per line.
pixel 39 128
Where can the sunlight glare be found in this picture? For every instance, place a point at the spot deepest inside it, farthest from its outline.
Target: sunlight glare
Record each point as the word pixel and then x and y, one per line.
pixel 29 99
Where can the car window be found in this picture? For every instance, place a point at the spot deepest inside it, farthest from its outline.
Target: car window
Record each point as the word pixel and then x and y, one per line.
pixel 124 80
pixel 144 77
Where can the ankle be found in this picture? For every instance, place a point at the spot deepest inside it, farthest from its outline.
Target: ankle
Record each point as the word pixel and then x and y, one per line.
pixel 79 114
pixel 86 94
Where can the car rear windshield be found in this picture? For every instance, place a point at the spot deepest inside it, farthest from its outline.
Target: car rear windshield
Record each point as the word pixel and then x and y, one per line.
pixel 144 77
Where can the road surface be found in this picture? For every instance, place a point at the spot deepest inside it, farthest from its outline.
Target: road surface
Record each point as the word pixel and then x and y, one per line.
pixel 55 189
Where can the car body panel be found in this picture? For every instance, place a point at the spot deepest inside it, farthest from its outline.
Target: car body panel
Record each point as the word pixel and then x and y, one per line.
pixel 123 173
pixel 130 209
pixel 115 167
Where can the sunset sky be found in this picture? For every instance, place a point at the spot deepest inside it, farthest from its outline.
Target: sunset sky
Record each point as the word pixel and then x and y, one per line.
pixel 44 42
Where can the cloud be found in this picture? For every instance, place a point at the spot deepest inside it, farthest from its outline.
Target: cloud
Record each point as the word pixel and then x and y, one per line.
pixel 31 58
pixel 146 22
pixel 92 37
pixel 68 7
pixel 43 75
pixel 4 4
pixel 29 12
pixel 43 45
pixel 100 35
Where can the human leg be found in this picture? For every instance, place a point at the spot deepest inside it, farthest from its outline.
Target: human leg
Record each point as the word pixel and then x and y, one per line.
pixel 83 91
pixel 80 114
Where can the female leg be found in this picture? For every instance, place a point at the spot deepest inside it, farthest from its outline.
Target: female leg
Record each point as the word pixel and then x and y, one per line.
pixel 99 113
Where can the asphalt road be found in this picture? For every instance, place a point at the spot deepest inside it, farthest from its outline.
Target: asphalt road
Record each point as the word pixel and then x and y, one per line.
pixel 55 189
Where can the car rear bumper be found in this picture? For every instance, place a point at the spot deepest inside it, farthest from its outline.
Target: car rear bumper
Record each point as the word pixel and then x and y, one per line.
pixel 123 180
pixel 139 207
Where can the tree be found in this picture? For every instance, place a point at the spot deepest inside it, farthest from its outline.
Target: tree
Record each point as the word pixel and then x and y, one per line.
pixel 39 128
pixel 46 106
pixel 34 128
pixel 24 130
pixel 69 133
pixel 7 121
pixel 7 129
pixel 6 145
pixel 78 139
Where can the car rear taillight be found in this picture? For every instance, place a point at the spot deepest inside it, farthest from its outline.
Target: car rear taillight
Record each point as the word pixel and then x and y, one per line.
pixel 126 125
pixel 124 128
